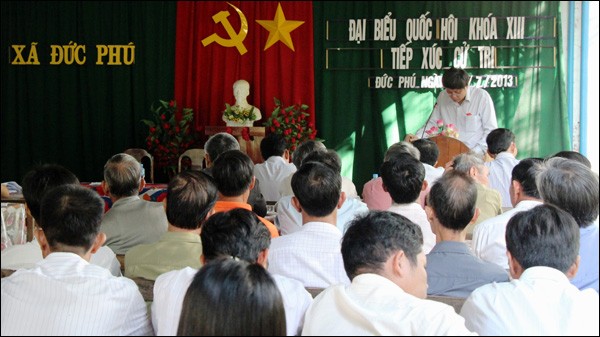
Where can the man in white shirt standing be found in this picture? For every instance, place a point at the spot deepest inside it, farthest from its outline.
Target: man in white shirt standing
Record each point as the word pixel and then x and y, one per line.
pixel 67 295
pixel 488 242
pixel 543 246
pixel 384 258
pixel 503 149
pixel 276 167
pixel 470 109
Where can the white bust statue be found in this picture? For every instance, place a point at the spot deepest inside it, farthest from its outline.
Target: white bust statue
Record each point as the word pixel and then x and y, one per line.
pixel 241 90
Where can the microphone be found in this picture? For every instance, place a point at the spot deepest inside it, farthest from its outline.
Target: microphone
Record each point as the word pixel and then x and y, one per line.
pixel 428 119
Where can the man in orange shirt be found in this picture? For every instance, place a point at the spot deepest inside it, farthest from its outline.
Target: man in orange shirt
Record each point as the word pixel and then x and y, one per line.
pixel 233 174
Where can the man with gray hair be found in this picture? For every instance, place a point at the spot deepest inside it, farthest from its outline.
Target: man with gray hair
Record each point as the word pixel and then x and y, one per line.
pixel 573 187
pixel 373 193
pixel 223 142
pixel 489 201
pixel 131 221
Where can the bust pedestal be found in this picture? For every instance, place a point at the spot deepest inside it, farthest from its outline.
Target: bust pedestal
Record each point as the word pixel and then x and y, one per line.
pixel 240 124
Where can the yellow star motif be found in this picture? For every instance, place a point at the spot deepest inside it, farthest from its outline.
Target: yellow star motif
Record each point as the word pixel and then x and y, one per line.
pixel 279 29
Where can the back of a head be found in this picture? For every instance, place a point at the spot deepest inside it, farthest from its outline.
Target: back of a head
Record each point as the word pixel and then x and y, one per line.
pixel 372 238
pixel 499 140
pixel 237 233
pixel 525 172
pixel 40 180
pixel 453 199
pixel 403 178
pixel 190 196
pixel 219 143
pixel 306 148
pixel 233 172
pixel 543 236
pixel 571 186
pixel 402 147
pixel 455 78
pixel 230 297
pixel 465 161
pixel 317 187
pixel 123 174
pixel 574 156
pixel 70 216
pixel 327 157
pixel 428 149
pixel 272 145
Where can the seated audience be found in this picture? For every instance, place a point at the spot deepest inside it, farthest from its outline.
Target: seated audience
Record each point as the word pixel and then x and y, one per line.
pixel 36 183
pixel 236 233
pixel 404 178
pixel 373 193
pixel 429 157
pixel 219 143
pixel 289 219
pixel 573 155
pixel 191 196
pixel 503 149
pixel 312 254
pixel 452 269
pixel 131 221
pixel 65 295
pixel 573 187
pixel 488 237
pixel 489 201
pixel 233 175
pixel 231 297
pixel 543 245
pixel 276 166
pixel 383 256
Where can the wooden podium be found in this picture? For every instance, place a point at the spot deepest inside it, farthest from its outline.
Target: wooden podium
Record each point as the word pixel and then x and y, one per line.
pixel 449 147
pixel 251 147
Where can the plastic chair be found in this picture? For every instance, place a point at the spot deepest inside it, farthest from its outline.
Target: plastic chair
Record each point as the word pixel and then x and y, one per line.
pixel 145 159
pixel 196 156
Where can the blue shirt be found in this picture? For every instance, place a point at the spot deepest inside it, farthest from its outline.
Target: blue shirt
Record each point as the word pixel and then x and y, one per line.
pixel 587 275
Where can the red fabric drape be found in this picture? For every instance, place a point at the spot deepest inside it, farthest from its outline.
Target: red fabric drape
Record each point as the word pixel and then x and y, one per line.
pixel 204 75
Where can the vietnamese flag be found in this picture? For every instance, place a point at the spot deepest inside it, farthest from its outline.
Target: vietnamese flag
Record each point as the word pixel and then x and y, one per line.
pixel 268 44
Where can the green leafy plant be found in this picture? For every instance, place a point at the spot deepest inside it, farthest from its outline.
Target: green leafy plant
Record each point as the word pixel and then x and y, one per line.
pixel 169 134
pixel 238 114
pixel 292 122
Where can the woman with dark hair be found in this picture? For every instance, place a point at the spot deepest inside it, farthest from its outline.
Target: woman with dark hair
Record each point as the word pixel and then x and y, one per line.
pixel 231 297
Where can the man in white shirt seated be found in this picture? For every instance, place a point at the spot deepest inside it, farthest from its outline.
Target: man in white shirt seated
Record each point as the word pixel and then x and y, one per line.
pixel 543 246
pixel 429 157
pixel 239 234
pixel 276 167
pixel 289 220
pixel 503 149
pixel 489 243
pixel 384 258
pixel 67 295
pixel 404 179
pixel 36 183
pixel 312 254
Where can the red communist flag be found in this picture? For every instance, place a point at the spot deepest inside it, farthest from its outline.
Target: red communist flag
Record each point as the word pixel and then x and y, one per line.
pixel 268 44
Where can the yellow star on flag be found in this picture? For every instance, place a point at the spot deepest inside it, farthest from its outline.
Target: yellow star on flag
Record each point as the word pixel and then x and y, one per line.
pixel 279 29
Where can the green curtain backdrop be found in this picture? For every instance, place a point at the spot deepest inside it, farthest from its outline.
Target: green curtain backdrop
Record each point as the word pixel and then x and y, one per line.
pixel 360 123
pixel 80 115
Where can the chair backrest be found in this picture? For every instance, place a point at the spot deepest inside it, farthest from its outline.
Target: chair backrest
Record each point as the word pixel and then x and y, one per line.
pixel 314 291
pixel 121 259
pixel 455 302
pixel 7 272
pixel 146 159
pixel 196 156
pixel 146 288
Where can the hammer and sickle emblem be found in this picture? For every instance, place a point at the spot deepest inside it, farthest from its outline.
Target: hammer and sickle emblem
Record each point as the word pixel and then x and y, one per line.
pixel 235 39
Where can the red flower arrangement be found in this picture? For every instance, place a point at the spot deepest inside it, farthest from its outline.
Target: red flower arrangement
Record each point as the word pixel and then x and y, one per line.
pixel 291 122
pixel 169 134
